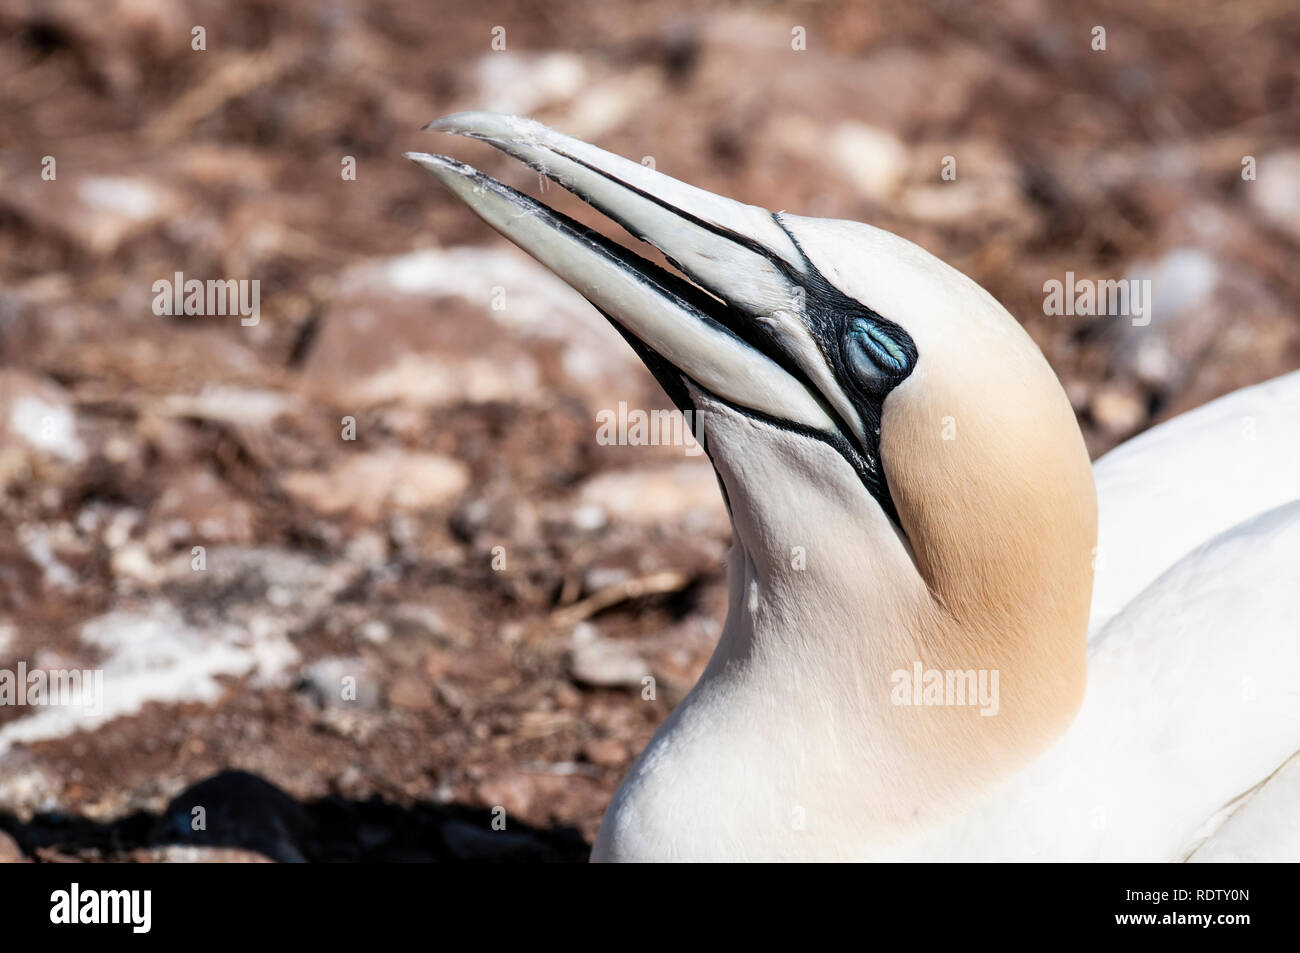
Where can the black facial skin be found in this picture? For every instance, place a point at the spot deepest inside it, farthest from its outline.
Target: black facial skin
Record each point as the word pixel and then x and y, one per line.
pixel 868 354
pixel 867 372
pixel 839 324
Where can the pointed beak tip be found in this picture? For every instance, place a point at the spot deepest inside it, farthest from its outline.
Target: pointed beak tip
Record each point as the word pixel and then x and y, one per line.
pixel 479 124
pixel 443 168
pixel 461 123
pixel 424 159
pixel 428 159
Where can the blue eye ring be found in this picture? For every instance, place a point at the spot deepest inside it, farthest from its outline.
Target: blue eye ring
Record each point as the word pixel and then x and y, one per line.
pixel 873 355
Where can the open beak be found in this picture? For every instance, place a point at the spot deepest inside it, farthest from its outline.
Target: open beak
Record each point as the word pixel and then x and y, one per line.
pixel 739 332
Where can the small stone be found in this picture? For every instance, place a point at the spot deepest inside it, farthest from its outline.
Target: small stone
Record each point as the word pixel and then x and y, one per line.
pixel 1118 410
pixel 374 631
pixel 874 160
pixel 38 422
pixel 604 663
pixel 367 484
pixel 1182 281
pixel 367 549
pixel 605 752
pixel 589 519
pixel 240 406
pixel 422 621
pixel 653 496
pixel 1276 192
pixel 410 692
pixel 1080 393
pixel 341 683
pixel 600 577
pixel 101 212
pixel 514 792
pixel 131 562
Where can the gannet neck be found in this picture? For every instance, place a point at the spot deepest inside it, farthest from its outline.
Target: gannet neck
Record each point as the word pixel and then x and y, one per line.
pixel 988 471
pixel 794 744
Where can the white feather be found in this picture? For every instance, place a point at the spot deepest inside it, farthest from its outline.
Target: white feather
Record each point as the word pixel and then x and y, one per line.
pixel 1183 482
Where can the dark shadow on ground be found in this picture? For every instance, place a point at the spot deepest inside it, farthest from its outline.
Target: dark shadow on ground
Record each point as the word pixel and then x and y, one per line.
pixel 242 810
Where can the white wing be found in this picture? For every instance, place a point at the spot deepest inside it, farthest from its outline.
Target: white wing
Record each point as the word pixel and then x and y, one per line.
pixel 1176 486
pixel 1264 827
pixel 1192 702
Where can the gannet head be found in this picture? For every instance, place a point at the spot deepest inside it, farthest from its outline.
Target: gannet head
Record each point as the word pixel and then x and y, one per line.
pixel 899 460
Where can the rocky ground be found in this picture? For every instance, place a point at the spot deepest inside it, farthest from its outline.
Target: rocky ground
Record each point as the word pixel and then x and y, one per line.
pixel 359 574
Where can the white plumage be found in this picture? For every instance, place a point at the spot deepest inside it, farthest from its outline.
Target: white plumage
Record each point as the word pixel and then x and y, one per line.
pixel 1183 482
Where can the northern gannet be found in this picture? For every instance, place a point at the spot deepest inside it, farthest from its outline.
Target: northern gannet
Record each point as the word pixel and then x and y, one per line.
pixel 901 674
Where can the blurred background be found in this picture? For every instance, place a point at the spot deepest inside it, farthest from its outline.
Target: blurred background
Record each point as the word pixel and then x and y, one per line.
pixel 391 481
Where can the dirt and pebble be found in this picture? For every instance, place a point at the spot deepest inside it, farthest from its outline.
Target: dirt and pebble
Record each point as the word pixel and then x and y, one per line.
pixel 359 577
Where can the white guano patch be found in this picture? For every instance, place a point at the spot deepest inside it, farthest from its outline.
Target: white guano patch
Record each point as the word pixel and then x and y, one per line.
pixel 154 655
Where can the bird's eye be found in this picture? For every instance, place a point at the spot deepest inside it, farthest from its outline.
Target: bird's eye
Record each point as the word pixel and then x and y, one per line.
pixel 874 356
